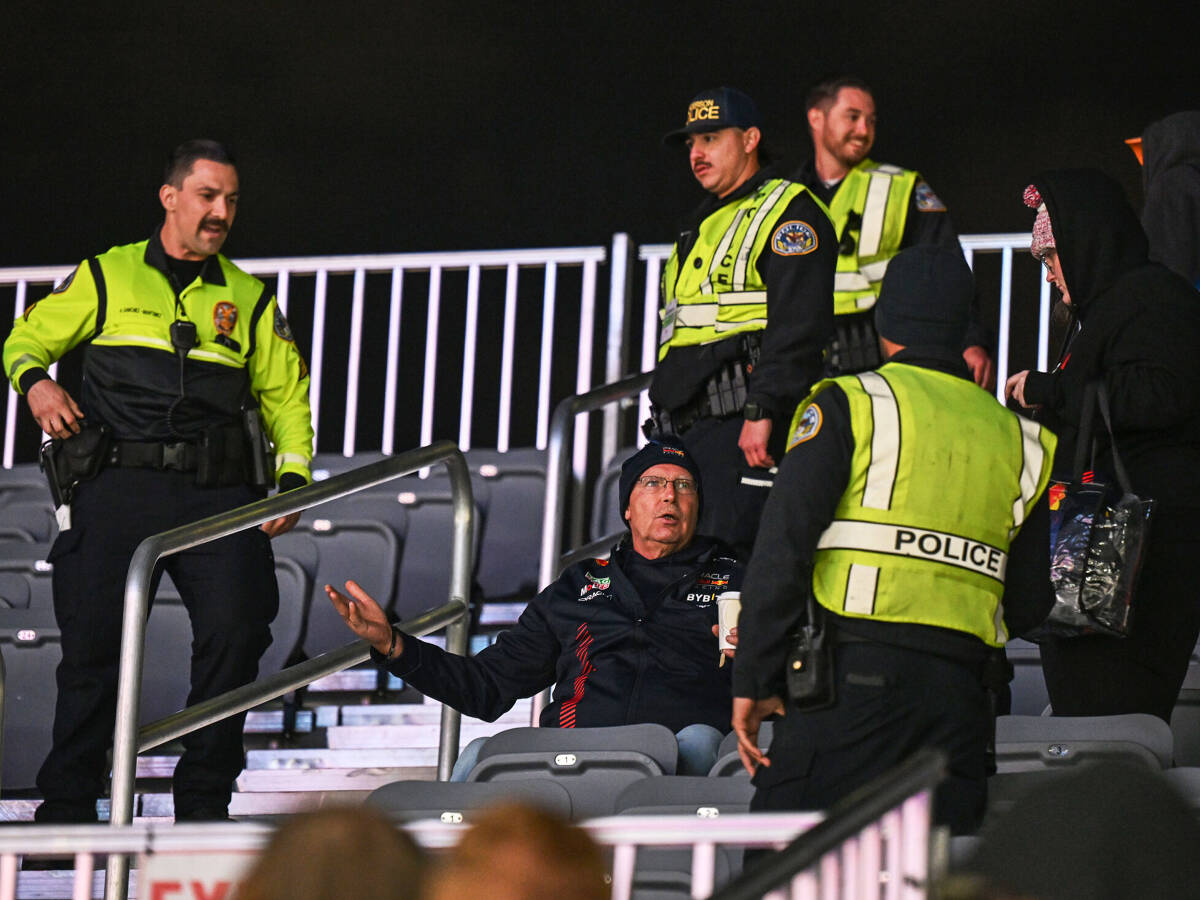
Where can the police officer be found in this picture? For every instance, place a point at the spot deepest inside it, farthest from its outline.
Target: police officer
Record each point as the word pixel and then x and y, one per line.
pixel 908 524
pixel 746 312
pixel 185 355
pixel 878 210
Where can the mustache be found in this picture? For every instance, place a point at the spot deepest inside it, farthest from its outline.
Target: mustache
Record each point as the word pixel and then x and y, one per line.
pixel 215 223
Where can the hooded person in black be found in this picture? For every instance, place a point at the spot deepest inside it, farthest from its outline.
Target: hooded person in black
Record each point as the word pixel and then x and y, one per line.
pixel 1137 326
pixel 1171 214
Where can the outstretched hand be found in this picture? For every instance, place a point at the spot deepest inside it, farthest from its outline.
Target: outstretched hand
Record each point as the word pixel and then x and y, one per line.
pixel 748 715
pixel 364 616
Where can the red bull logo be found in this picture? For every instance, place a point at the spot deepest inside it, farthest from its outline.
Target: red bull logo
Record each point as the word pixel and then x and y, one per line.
pixel 1056 494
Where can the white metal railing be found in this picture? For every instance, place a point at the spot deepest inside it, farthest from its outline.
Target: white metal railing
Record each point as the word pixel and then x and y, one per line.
pixel 886 858
pixel 200 846
pixel 491 313
pixel 654 255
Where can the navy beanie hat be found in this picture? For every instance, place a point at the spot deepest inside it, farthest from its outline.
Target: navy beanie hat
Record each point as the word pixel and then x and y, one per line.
pixel 926 298
pixel 666 449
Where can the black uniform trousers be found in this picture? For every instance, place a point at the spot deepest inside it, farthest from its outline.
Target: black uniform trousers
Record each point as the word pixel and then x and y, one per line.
pixel 229 590
pixel 890 702
pixel 734 493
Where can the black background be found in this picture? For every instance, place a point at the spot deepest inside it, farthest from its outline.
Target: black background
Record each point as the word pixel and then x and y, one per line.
pixel 367 127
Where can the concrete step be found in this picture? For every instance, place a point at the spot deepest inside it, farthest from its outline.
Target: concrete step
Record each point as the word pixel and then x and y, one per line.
pixel 160 807
pixel 418 714
pixel 353 779
pixel 350 737
pixel 258 803
pixel 270 721
pixel 326 758
pixel 60 885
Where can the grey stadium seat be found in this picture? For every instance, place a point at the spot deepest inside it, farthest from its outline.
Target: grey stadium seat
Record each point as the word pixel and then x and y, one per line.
pixel 606 517
pixel 1029 696
pixel 666 872
pixel 456 801
pixel 593 764
pixel 1031 743
pixel 699 795
pixel 728 763
pixel 26 584
pixel 368 552
pixel 31 655
pixel 30 511
pixel 1033 750
pixel 424 579
pixel 514 487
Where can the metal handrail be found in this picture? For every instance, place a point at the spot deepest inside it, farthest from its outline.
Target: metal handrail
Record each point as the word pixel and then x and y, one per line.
pixel 850 815
pixel 137 601
pixel 558 479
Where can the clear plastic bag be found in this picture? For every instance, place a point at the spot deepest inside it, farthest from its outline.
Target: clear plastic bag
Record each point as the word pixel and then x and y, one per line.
pixel 1098 539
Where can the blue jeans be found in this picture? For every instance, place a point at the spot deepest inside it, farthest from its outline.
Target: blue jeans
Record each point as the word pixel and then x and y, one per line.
pixel 697 752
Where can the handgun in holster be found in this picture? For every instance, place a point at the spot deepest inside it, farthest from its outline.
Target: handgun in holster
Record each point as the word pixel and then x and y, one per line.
pixel 68 461
pixel 261 468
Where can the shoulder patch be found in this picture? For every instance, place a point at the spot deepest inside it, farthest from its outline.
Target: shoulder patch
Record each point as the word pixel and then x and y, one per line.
pixel 794 238
pixel 807 427
pixel 927 200
pixel 282 329
pixel 66 282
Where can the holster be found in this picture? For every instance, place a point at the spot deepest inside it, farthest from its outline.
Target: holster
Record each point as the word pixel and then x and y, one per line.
pixel 855 345
pixel 260 472
pixel 722 395
pixel 68 461
pixel 809 670
pixel 221 456
pixel 995 675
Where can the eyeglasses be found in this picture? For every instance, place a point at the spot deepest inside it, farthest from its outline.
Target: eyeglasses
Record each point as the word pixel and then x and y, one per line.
pixel 654 484
pixel 1046 259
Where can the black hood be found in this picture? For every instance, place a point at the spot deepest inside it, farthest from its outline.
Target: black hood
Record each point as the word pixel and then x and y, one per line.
pixel 1173 141
pixel 1096 232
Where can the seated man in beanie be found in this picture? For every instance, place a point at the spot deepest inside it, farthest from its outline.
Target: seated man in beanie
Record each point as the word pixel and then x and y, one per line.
pixel 907 511
pixel 624 640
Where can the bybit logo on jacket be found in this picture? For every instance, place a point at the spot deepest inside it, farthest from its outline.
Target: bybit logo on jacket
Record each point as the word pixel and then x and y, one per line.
pixel 703 110
pixel 707 587
pixel 594 587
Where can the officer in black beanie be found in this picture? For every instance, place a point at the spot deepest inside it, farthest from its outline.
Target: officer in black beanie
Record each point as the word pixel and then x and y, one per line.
pixel 893 516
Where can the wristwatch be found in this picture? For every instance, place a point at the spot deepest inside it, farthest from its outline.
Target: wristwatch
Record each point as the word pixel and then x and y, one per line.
pixel 752 412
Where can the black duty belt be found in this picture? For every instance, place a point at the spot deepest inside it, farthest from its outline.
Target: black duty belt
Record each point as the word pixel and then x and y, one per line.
pixel 178 457
pixel 722 395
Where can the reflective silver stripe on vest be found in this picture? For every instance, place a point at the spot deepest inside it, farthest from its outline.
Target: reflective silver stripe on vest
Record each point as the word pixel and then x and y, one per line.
pixel 847 282
pixel 704 315
pixel 751 235
pixel 1031 469
pixel 885 442
pixel 295 459
pixel 916 543
pixel 722 249
pixel 861 582
pixel 862 280
pixel 871 232
pixel 22 360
